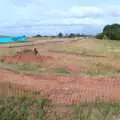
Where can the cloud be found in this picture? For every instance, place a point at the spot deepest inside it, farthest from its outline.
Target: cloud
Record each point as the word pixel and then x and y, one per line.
pixel 86 21
pixel 29 15
pixel 95 11
pixel 25 3
pixel 97 15
pixel 86 11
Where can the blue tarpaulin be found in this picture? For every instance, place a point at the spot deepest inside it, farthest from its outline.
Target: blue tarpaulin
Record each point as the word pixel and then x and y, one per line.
pixel 13 39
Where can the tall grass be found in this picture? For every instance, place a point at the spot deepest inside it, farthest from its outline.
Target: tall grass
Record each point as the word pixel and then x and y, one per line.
pixel 14 108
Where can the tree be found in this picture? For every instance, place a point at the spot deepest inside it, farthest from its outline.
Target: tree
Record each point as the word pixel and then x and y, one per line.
pixel 110 31
pixel 38 35
pixel 71 35
pixel 60 35
pixel 100 36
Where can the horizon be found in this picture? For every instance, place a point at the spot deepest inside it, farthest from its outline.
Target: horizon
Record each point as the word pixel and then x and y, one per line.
pixel 49 18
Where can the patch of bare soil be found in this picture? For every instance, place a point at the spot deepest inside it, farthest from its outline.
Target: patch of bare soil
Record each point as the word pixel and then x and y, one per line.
pixel 27 56
pixel 66 89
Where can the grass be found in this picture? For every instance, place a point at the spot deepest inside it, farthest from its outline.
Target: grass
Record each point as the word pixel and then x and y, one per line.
pixel 94 69
pixel 24 108
pixel 86 47
pixel 59 70
pixel 105 111
pixel 6 52
pixel 94 66
pixel 31 68
pixel 21 67
pixel 101 68
pixel 20 107
pixel 97 72
pixel 106 48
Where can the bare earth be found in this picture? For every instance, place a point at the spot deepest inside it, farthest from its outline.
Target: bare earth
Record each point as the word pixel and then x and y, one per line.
pixel 67 89
pixel 64 88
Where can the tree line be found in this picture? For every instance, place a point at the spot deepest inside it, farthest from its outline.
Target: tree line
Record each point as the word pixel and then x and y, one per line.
pixel 61 35
pixel 111 32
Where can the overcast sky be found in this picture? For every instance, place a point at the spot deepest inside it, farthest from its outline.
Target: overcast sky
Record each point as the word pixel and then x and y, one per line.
pixel 30 17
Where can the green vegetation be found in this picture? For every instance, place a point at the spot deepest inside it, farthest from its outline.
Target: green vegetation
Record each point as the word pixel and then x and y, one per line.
pixel 21 107
pixel 111 32
pixel 24 108
pixel 33 68
pixel 103 111
pixel 93 72
pixel 38 35
pixel 60 70
pixel 62 35
pixel 100 36
pixel 101 68
pixel 93 69
pixel 21 67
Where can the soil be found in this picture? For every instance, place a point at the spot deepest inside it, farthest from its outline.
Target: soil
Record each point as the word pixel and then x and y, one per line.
pixel 66 89
pixel 27 57
pixel 62 88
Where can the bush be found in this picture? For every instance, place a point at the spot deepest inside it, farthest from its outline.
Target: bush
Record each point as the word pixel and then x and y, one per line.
pixel 100 36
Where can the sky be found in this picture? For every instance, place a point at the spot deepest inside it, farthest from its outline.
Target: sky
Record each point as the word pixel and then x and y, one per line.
pixel 49 17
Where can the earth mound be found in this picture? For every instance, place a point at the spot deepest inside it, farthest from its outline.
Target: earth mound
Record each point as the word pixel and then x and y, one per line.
pixel 27 56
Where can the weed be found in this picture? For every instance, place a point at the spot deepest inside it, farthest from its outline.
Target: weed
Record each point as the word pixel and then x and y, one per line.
pixel 60 70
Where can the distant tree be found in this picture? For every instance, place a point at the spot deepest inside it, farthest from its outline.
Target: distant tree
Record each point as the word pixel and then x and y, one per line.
pixel 78 35
pixel 38 35
pixel 45 36
pixel 71 35
pixel 53 36
pixel 60 35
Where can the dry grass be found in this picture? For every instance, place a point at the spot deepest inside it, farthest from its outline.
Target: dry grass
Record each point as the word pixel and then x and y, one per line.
pixel 92 47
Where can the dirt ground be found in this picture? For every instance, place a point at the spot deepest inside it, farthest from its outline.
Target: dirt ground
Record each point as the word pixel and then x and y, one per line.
pixel 67 89
pixel 63 88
